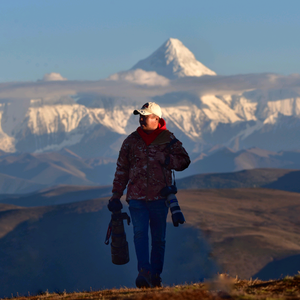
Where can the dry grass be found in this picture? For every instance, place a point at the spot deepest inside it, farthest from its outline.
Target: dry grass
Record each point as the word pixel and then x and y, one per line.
pixel 222 287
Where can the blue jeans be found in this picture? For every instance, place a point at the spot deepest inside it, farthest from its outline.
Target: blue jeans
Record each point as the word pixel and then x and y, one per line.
pixel 143 214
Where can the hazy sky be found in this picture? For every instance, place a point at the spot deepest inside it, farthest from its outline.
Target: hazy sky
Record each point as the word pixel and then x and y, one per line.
pixel 92 39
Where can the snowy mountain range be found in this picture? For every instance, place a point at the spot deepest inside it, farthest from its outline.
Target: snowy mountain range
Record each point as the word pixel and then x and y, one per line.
pixel 201 108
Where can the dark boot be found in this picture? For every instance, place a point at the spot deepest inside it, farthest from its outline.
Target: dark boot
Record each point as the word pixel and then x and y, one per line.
pixel 144 279
pixel 156 280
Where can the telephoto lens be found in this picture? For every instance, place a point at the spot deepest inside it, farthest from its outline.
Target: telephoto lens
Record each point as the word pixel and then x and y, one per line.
pixel 119 245
pixel 177 215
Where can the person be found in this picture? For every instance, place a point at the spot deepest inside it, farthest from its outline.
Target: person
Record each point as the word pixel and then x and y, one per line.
pixel 145 163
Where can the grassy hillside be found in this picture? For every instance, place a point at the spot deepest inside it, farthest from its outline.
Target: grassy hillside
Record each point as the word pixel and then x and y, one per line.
pixel 247 228
pixel 241 232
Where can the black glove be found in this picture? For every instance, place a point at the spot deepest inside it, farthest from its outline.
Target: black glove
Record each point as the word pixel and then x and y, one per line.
pixel 177 215
pixel 114 204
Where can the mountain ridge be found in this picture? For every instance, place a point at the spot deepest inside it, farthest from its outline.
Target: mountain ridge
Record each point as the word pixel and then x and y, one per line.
pixel 278 179
pixel 28 172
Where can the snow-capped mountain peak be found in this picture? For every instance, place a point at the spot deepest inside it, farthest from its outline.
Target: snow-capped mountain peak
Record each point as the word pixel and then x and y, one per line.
pixel 173 60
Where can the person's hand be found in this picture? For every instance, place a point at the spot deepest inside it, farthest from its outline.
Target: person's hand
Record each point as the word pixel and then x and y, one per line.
pixel 114 204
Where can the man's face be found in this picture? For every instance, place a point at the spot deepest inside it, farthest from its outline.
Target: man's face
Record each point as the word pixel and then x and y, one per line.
pixel 149 122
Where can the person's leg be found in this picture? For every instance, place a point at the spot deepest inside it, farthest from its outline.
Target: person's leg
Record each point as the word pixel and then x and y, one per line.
pixel 140 220
pixel 158 220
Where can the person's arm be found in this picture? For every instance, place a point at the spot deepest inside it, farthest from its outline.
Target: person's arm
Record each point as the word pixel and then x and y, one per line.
pixel 122 171
pixel 178 159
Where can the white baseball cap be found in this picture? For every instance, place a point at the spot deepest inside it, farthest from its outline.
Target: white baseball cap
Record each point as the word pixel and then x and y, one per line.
pixel 149 108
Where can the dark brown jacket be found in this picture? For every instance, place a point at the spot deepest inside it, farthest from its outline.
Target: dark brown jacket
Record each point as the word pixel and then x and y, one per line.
pixel 144 175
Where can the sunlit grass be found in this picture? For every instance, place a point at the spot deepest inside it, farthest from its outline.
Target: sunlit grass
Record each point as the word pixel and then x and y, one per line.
pixel 221 287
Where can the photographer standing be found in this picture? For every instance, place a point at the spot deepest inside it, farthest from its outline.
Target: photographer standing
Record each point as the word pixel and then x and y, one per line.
pixel 146 160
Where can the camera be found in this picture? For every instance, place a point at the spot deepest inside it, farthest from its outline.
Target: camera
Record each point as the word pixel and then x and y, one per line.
pixel 167 190
pixel 172 202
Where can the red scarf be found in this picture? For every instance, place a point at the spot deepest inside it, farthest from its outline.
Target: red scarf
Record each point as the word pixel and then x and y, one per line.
pixel 149 138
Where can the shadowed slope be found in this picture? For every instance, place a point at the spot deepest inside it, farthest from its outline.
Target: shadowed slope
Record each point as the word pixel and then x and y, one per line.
pixel 279 268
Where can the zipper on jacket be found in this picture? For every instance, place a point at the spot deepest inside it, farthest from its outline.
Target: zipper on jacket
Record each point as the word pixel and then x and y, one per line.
pixel 147 190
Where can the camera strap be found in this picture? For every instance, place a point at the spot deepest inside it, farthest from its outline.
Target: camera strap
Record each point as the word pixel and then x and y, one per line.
pixel 172 142
pixel 173 173
pixel 174 181
pixel 108 233
pixel 163 171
